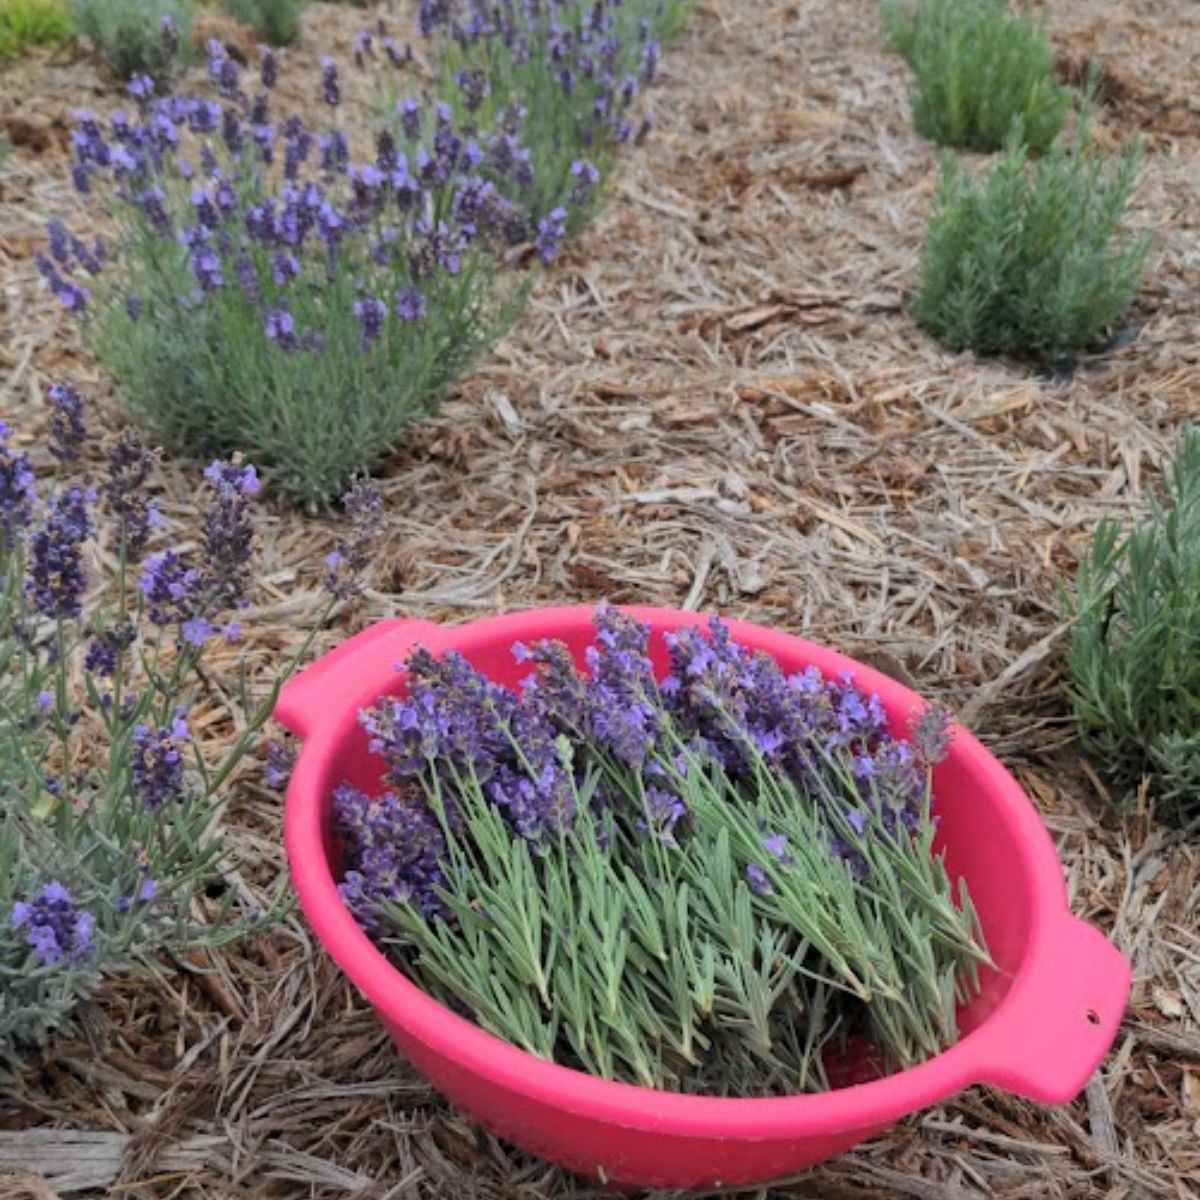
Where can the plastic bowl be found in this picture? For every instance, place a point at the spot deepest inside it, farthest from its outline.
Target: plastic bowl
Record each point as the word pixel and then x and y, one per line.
pixel 1043 1021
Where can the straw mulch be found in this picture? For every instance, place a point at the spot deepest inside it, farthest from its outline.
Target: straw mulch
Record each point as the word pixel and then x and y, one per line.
pixel 716 399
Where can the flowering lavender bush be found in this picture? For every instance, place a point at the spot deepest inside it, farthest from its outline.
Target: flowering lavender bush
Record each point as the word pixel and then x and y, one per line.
pixel 136 37
pixel 553 82
pixel 698 884
pixel 109 828
pixel 273 293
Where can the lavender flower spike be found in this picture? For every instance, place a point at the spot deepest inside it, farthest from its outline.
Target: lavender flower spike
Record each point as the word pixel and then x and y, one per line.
pixel 57 930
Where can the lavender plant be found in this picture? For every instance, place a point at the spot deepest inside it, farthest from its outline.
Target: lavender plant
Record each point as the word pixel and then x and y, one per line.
pixel 277 22
pixel 981 69
pixel 552 83
pixel 273 293
pixel 110 836
pixel 1133 664
pixel 136 37
pixel 1032 260
pixel 702 884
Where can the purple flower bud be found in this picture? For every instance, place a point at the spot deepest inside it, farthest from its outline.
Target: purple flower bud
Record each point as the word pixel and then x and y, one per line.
pixel 156 764
pixel 56 575
pixel 411 117
pixel 67 431
pixel 410 304
pixel 363 48
pixel 756 877
pixel 56 929
pixel 270 68
pixel 168 33
pixel 551 231
pixel 651 53
pixel 329 83
pixel 203 116
pixel 280 328
pixel 197 631
pixel 584 176
pixel 285 267
pixel 371 314
pixel 141 88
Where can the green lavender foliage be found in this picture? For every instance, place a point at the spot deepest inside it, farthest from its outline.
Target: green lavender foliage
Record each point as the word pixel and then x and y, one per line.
pixel 1031 260
pixel 698 981
pixel 127 34
pixel 32 23
pixel 1133 664
pixel 980 69
pixel 277 22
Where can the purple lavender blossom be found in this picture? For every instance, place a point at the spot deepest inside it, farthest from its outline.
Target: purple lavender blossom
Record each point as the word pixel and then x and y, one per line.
pixel 931 734
pixel 229 531
pixel 56 928
pixel 410 304
pixel 56 575
pixel 269 71
pixel 335 153
pixel 371 315
pixel 281 759
pixel 247 277
pixel 411 117
pixel 363 48
pixel 393 851
pixel 106 648
pixel 756 877
pixel 67 430
pixel 128 468
pixel 584 177
pixel 651 54
pixel 141 88
pixel 168 33
pixel 222 70
pixel 157 762
pixel 17 492
pixel 285 267
pixel 150 200
pixel 474 86
pixel 280 328
pixel 331 88
pixel 171 587
pixel 551 230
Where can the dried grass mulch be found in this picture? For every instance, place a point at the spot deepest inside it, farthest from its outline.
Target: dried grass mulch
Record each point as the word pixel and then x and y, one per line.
pixel 716 399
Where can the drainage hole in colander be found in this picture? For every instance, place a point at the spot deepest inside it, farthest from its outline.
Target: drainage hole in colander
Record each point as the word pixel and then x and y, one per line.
pixel 1093 1016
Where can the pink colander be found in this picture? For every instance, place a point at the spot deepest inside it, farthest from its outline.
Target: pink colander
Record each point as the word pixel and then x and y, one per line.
pixel 1044 1018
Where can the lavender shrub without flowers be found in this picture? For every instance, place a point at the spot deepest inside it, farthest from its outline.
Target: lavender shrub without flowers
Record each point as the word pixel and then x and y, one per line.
pixel 269 292
pixel 108 803
pixel 700 884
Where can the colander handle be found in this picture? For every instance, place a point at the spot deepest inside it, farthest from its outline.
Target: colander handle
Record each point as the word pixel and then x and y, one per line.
pixel 1060 1016
pixel 363 665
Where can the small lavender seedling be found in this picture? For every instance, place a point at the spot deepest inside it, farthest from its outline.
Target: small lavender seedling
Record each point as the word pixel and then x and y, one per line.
pixel 980 70
pixel 1133 663
pixel 1030 260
